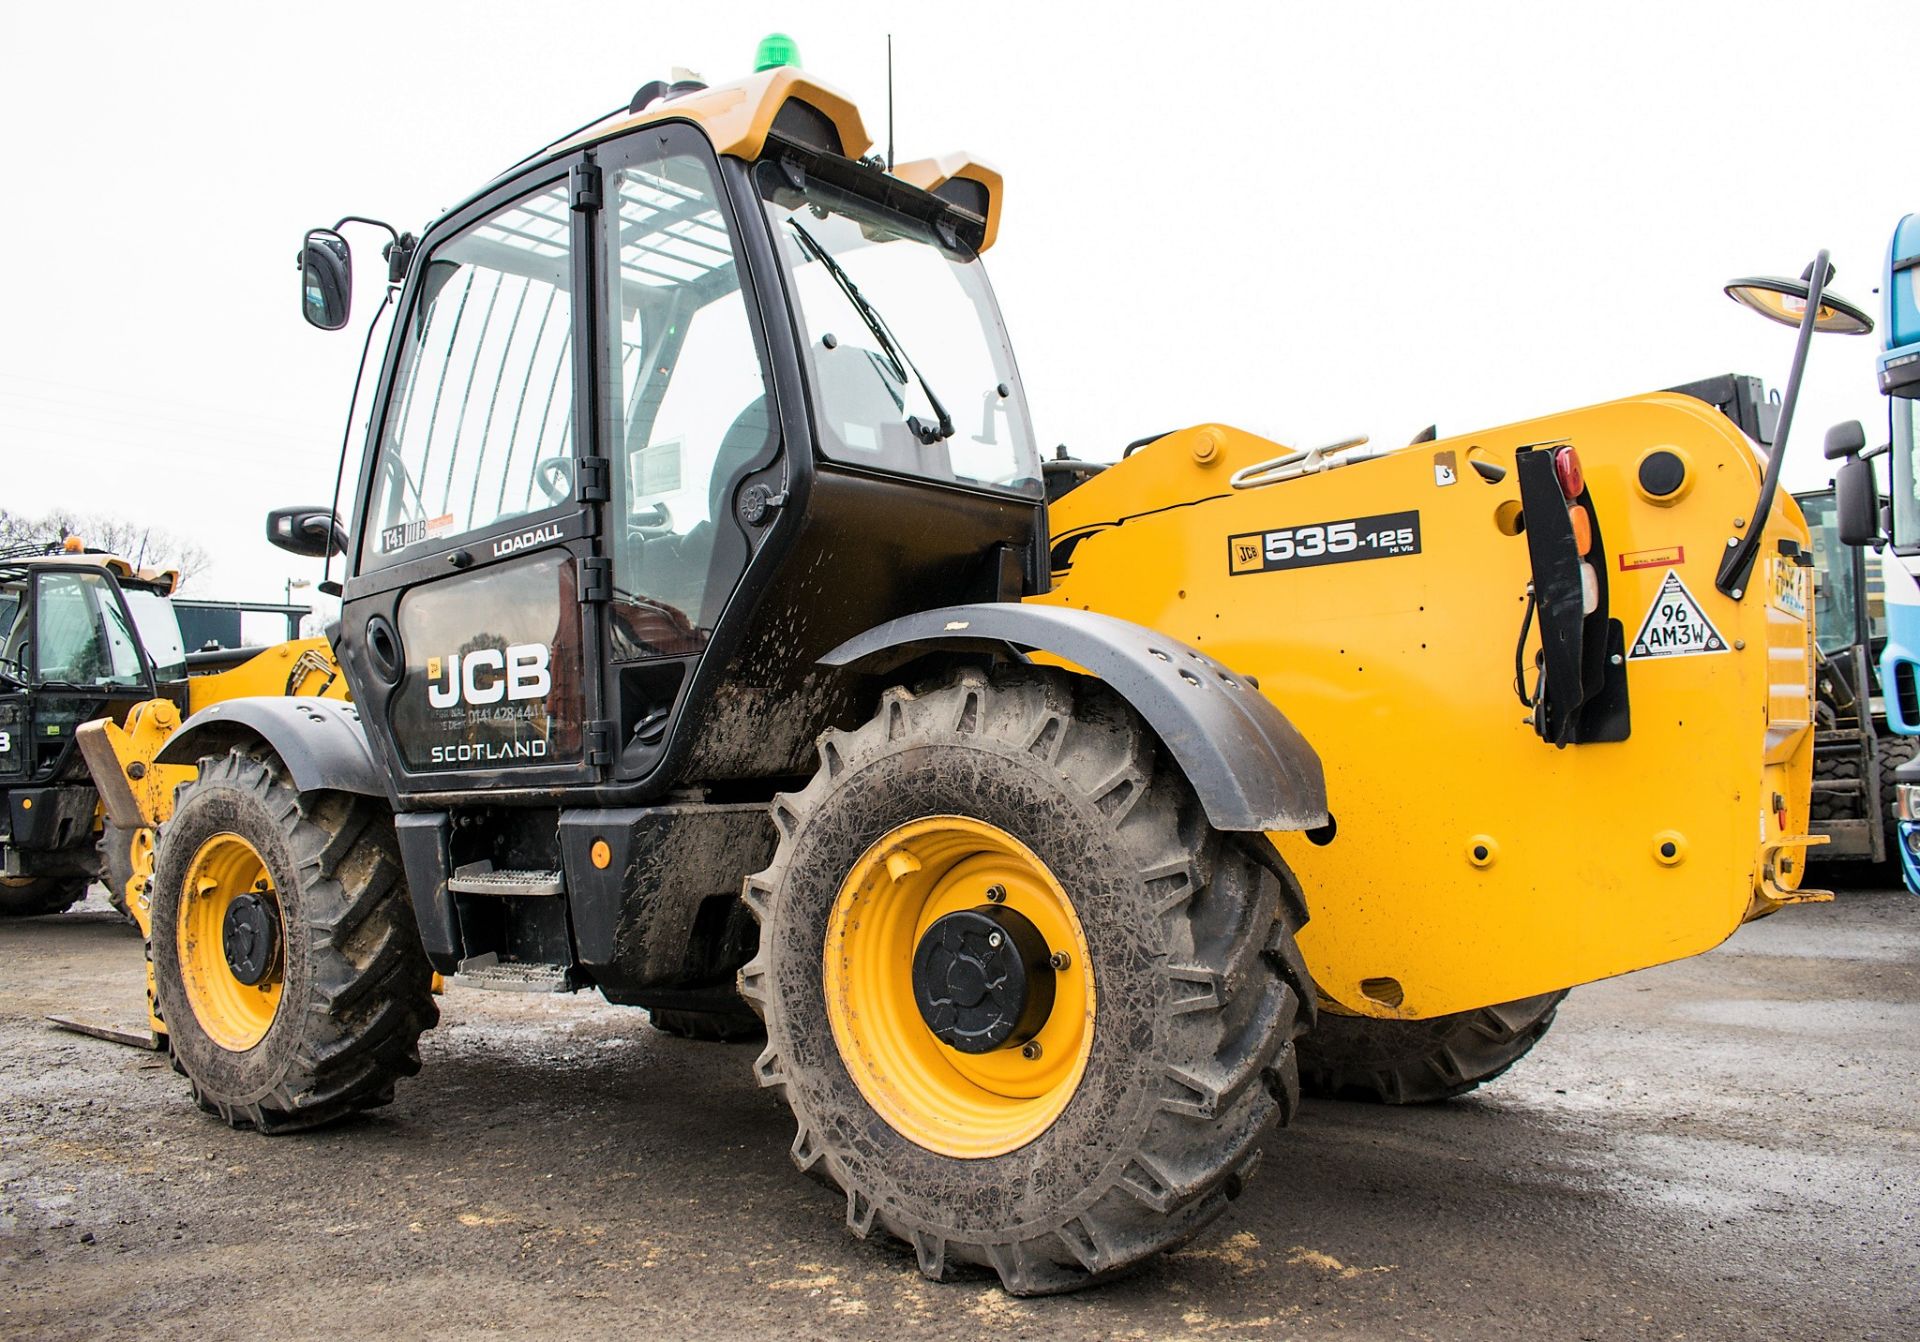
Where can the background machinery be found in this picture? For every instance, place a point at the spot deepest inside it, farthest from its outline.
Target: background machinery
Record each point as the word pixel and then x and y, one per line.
pixel 1864 523
pixel 707 626
pixel 89 645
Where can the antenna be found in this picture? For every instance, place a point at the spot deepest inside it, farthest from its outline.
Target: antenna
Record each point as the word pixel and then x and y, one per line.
pixel 889 102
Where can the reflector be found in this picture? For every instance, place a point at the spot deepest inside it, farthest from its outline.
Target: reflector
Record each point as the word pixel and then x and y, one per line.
pixel 1582 528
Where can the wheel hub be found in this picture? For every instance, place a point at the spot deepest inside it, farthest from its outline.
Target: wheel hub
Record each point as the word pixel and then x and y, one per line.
pixel 982 980
pixel 250 935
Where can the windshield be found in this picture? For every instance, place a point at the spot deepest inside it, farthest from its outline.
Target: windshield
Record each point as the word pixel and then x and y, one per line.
pixel 910 365
pixel 1905 415
pixel 159 627
pixel 1836 599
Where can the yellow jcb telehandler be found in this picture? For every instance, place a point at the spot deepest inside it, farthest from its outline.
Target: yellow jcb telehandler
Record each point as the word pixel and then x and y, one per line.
pixel 707 623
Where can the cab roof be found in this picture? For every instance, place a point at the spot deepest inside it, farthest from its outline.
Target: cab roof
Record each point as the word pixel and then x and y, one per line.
pixel 162 580
pixel 787 104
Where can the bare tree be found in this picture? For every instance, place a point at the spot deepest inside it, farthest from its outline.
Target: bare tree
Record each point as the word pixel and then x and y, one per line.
pixel 145 547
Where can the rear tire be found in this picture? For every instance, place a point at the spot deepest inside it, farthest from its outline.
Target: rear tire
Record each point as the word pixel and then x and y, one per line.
pixel 1420 1061
pixel 1894 751
pixel 1189 966
pixel 350 988
pixel 37 896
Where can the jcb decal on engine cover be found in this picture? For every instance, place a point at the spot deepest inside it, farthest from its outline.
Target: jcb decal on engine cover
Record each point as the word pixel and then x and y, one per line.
pixel 1675 626
pixel 1787 585
pixel 1379 536
pixel 484 676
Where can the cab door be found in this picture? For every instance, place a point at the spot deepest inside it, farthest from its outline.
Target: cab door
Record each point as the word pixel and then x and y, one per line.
pixel 463 625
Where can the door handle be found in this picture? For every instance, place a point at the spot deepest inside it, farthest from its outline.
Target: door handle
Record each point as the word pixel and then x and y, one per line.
pixel 383 650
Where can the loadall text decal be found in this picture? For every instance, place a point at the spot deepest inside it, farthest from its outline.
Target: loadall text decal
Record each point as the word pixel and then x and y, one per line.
pixel 1380 536
pixel 1675 626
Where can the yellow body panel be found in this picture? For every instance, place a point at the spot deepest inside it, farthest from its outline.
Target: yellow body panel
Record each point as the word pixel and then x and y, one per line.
pixel 298 666
pixel 1472 863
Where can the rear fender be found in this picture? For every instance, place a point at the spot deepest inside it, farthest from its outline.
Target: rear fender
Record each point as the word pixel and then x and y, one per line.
pixel 1250 767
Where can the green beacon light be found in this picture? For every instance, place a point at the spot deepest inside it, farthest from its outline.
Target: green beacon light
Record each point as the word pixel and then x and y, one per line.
pixel 774 51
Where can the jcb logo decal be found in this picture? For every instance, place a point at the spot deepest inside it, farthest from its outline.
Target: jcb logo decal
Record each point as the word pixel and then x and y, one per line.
pixel 487 675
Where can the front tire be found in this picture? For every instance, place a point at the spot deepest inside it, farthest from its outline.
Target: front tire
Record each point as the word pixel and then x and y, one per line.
pixel 1420 1061
pixel 1166 1054
pixel 286 961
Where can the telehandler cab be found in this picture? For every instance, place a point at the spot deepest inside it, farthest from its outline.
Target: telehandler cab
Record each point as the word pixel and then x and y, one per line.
pixel 706 625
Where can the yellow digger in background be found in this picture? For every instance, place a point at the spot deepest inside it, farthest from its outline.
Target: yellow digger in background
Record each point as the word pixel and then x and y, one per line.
pixel 94 678
pixel 707 624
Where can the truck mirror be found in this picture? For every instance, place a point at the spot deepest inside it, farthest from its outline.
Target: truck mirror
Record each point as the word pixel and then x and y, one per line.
pixel 1845 440
pixel 1856 503
pixel 312 533
pixel 326 279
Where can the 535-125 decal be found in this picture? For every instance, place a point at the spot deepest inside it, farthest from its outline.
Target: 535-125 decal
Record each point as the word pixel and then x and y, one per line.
pixel 1379 536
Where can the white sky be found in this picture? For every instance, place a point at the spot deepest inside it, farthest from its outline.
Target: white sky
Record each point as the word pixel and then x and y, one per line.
pixel 1302 219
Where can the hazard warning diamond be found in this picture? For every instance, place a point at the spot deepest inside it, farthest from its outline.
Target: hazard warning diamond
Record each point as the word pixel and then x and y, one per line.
pixel 1675 626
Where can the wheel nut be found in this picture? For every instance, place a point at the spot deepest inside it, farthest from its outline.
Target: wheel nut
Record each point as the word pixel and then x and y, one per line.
pixel 1031 1050
pixel 993 939
pixel 1059 959
pixel 996 894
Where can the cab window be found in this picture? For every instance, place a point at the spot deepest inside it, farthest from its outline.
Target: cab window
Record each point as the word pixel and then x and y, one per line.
pixel 688 403
pixel 80 634
pixel 479 429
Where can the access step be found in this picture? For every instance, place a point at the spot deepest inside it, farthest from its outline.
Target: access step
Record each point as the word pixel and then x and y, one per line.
pixel 480 878
pixel 492 974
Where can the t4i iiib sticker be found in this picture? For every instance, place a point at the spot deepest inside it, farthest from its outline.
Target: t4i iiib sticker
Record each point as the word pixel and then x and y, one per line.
pixel 1676 626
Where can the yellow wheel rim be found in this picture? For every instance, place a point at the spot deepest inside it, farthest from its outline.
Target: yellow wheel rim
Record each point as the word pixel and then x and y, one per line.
pixel 235 1015
pixel 968 1105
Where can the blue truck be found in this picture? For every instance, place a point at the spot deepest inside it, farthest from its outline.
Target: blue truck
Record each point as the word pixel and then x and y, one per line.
pixel 1899 666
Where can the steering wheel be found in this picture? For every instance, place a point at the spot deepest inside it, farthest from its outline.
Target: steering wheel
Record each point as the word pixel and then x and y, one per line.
pixel 650 522
pixel 554 475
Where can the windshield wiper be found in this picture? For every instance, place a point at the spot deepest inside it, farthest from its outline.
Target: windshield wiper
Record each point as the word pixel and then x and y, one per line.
pixel 889 343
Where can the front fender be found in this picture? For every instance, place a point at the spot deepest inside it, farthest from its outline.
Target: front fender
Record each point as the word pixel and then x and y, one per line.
pixel 320 740
pixel 1250 767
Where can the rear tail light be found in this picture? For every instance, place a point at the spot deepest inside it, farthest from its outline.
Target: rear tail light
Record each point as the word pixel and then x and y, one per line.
pixel 1566 469
pixel 1589 589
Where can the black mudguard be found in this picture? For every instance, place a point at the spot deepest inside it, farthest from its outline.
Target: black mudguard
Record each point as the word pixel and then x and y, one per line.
pixel 1250 766
pixel 320 741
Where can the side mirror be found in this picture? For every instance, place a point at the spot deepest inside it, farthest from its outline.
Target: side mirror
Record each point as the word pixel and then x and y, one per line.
pixel 1856 503
pixel 312 533
pixel 1845 440
pixel 326 279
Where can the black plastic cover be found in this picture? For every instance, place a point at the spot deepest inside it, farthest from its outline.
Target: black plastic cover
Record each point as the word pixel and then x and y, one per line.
pixel 320 741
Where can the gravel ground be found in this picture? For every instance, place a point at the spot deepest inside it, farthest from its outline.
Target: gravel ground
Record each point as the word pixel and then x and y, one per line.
pixel 1722 1148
